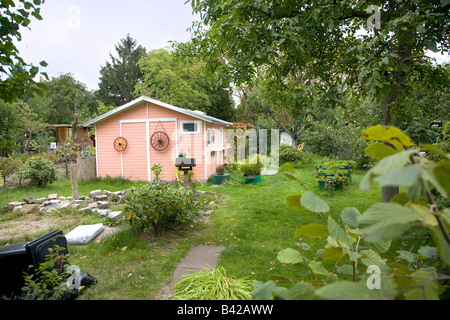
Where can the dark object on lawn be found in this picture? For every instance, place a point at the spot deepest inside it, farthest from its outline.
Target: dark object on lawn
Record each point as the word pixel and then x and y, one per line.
pixel 16 259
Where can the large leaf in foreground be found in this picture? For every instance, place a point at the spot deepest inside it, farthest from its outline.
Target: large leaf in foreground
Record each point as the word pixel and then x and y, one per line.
pixel 386 221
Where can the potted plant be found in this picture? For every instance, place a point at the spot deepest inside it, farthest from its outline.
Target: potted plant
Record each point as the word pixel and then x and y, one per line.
pixel 251 170
pixel 220 176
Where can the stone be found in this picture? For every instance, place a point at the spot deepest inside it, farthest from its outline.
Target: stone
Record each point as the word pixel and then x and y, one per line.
pixel 103 204
pixel 30 200
pixel 54 201
pixel 101 197
pixel 53 196
pixel 107 193
pixel 95 193
pixel 115 215
pixel 62 198
pixel 17 208
pixel 209 212
pixel 102 213
pixel 77 201
pixel 10 206
pixel 63 204
pixel 41 200
pixel 29 209
pixel 46 203
pixel 93 205
pixel 85 210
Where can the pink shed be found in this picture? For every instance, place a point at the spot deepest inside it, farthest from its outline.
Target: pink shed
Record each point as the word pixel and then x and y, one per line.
pixel 190 132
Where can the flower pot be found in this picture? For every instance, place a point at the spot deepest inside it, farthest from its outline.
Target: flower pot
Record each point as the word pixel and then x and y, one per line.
pixel 338 186
pixel 220 178
pixel 252 179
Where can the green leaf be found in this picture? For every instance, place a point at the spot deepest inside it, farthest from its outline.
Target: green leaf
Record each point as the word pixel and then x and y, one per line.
pixel 404 177
pixel 433 149
pixel 301 291
pixel 428 252
pixel 288 170
pixel 313 230
pixel 293 201
pixel 289 256
pixel 430 45
pixel 442 175
pixel 370 257
pixel 427 290
pixel 379 150
pixel 333 254
pixel 264 291
pixel 350 217
pixel 346 290
pixel 313 203
pixel 345 269
pixel 441 244
pixel 287 167
pixel 400 198
pixel 386 221
pixel 317 268
pixel 338 234
pixel 392 135
pixel 408 256
pixel 388 164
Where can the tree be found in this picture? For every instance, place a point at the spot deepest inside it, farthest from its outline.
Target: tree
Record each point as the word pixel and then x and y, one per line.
pixel 59 100
pixel 167 79
pixel 120 76
pixel 325 42
pixel 8 127
pixel 16 76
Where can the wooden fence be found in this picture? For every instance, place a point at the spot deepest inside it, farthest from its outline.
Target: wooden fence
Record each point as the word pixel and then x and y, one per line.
pixel 86 168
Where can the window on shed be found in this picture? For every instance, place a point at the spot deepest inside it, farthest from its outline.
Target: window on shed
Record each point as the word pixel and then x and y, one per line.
pixel 190 127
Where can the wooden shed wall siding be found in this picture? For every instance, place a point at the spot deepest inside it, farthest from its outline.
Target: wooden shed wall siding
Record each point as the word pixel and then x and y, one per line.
pixel 134 162
pixel 135 156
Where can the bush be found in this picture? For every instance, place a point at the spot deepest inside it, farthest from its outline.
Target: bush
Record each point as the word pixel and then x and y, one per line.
pixel 252 167
pixel 159 205
pixel 40 171
pixel 220 170
pixel 289 153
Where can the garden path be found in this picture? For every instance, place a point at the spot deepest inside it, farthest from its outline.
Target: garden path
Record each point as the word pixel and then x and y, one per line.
pixel 197 259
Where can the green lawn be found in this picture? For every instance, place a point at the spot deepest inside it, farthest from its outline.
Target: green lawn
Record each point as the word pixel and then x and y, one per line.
pixel 251 221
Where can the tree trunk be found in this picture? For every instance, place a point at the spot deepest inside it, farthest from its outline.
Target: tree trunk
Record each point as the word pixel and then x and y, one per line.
pixel 73 179
pixel 397 87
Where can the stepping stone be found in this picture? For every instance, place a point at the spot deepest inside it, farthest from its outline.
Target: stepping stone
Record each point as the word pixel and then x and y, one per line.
pixel 197 259
pixel 53 196
pixel 115 215
pixel 95 193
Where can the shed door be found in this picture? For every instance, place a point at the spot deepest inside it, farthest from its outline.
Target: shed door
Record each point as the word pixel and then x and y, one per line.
pixel 167 156
pixel 134 160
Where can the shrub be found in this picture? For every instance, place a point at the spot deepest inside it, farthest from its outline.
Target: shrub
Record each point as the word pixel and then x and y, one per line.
pixel 289 153
pixel 159 205
pixel 8 166
pixel 252 167
pixel 40 171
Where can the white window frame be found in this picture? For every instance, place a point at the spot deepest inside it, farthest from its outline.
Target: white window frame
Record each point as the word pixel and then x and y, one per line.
pixel 221 137
pixel 195 122
pixel 208 137
pixel 213 137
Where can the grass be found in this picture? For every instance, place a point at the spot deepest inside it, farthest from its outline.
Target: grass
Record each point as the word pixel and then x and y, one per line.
pixel 251 221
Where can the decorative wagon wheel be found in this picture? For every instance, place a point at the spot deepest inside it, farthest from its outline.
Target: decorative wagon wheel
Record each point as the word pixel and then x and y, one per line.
pixel 160 140
pixel 120 144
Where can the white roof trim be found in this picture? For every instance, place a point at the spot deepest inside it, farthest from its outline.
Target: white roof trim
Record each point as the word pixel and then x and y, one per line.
pixel 191 113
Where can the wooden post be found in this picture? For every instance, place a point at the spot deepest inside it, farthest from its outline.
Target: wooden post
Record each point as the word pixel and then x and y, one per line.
pixel 73 179
pixel 187 185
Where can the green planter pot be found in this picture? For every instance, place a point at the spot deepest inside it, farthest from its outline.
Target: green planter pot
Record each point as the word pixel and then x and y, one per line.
pixel 252 179
pixel 220 178
pixel 321 185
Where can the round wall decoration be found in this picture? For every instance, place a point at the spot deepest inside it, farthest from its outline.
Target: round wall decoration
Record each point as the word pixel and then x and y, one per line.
pixel 159 140
pixel 120 144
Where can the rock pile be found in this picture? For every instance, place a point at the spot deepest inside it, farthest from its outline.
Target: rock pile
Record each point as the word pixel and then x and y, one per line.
pixel 97 202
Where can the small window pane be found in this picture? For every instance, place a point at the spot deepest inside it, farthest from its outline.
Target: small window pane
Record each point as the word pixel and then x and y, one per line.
pixel 189 127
